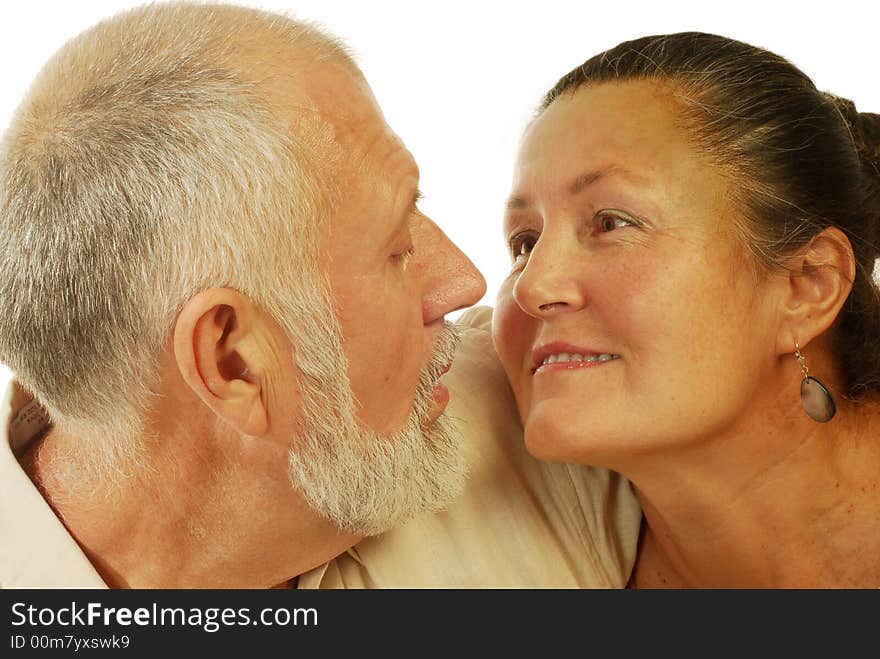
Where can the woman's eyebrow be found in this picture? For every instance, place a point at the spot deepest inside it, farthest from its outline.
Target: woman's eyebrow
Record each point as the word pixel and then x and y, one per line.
pixel 578 184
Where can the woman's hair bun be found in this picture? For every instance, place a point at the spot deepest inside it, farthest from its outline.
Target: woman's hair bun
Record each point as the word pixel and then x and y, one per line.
pixel 865 130
pixel 869 139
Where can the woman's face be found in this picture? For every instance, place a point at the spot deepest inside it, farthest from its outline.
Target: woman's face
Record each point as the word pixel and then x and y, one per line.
pixel 632 319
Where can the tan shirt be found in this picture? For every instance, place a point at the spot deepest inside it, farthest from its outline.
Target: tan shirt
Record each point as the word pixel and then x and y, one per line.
pixel 520 523
pixel 36 551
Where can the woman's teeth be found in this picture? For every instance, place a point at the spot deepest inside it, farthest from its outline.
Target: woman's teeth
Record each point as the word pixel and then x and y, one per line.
pixel 565 357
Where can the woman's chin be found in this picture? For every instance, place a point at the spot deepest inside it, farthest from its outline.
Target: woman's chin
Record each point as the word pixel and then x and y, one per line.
pixel 549 438
pixel 552 435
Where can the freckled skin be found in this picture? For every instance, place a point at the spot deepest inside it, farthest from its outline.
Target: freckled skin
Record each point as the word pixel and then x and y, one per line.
pixel 702 411
pixel 666 295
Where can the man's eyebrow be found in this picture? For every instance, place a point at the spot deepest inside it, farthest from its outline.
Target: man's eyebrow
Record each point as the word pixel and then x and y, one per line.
pixel 586 180
pixel 578 185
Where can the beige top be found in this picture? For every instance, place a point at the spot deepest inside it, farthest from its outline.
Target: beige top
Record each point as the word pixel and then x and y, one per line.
pixel 519 524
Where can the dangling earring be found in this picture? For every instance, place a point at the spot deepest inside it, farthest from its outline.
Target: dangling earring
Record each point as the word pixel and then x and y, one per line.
pixel 817 400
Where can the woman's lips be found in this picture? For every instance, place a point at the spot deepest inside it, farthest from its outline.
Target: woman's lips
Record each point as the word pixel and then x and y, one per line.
pixel 559 355
pixel 571 365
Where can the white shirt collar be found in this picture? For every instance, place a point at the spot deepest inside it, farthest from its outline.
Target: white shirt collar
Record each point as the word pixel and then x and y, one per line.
pixel 36 551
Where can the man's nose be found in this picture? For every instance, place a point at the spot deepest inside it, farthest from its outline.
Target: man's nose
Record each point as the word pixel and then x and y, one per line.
pixel 451 280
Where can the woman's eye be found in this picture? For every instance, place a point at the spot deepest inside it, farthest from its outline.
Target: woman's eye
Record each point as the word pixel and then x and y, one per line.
pixel 521 245
pixel 609 222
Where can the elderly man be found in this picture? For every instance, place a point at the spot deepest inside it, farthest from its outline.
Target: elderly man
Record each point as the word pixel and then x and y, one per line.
pixel 216 282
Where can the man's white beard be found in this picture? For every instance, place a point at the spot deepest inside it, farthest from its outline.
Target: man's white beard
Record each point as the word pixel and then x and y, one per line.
pixel 364 482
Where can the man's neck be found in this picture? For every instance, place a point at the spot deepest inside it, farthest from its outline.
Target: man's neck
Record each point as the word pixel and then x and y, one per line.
pixel 210 514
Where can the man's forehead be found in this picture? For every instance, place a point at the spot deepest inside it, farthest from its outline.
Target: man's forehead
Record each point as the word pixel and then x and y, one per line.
pixel 328 106
pixel 346 102
pixel 349 124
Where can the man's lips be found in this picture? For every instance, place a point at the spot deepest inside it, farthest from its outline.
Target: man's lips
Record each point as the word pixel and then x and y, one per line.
pixel 440 393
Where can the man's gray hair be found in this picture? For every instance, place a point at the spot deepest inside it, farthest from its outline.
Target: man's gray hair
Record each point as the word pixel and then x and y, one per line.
pixel 145 165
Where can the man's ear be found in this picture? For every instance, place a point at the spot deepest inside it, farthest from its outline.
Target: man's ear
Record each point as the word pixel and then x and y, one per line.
pixel 820 279
pixel 218 352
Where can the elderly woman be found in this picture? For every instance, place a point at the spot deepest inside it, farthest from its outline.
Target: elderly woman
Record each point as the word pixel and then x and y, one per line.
pixel 693 229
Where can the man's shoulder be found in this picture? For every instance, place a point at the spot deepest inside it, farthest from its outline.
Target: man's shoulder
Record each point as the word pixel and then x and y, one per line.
pixel 519 522
pixel 476 369
pixel 36 550
pixel 479 318
pixel 480 396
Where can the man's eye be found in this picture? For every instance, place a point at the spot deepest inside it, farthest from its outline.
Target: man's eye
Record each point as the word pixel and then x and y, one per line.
pixel 521 245
pixel 403 257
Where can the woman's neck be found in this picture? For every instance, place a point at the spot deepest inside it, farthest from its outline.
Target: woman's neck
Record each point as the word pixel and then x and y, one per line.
pixel 785 504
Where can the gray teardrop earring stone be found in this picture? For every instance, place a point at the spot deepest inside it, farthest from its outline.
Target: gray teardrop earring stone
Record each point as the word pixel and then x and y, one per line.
pixel 817 400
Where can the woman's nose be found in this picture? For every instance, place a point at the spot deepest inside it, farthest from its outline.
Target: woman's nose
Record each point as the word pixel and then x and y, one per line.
pixel 550 283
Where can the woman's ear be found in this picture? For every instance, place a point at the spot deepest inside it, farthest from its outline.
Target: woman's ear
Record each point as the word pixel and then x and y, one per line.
pixel 820 279
pixel 218 352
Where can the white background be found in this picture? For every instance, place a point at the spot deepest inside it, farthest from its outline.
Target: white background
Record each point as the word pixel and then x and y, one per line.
pixel 458 81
